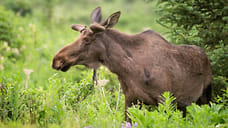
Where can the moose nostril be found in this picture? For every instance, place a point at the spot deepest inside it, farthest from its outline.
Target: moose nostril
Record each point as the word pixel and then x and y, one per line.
pixel 57 67
pixel 58 64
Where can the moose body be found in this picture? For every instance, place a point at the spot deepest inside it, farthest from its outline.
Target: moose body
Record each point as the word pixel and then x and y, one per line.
pixel 146 64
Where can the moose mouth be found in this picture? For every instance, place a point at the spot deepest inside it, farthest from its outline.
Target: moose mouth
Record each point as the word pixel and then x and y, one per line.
pixel 65 68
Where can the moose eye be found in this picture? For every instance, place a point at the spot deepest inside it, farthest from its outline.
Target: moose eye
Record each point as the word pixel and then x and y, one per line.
pixel 86 40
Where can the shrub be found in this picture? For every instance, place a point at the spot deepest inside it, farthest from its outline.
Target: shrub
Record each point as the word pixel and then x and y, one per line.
pixel 19 6
pixel 166 115
pixel 10 42
pixel 223 99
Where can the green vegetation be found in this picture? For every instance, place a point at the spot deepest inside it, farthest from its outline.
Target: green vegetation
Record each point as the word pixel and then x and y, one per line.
pixel 166 115
pixel 34 95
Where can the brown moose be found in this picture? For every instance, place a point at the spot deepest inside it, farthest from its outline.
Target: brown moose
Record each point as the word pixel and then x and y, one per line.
pixel 146 64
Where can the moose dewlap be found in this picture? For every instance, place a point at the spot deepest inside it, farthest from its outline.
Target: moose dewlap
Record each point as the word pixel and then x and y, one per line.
pixel 146 64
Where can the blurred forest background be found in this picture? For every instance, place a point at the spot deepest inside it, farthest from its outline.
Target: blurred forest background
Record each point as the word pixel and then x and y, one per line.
pixel 32 94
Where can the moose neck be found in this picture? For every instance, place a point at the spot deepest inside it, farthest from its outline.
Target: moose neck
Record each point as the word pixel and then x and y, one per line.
pixel 118 57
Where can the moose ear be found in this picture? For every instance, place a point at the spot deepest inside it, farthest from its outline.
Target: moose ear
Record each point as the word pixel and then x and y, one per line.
pixel 111 20
pixel 96 15
pixel 95 27
pixel 78 28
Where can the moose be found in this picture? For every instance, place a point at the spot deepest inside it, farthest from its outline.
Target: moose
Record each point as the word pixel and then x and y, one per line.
pixel 146 64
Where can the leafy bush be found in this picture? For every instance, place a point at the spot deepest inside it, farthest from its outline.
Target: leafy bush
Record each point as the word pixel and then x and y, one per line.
pixel 166 115
pixel 22 7
pixel 219 57
pixel 199 22
pixel 10 41
pixel 19 103
pixel 6 28
pixel 223 99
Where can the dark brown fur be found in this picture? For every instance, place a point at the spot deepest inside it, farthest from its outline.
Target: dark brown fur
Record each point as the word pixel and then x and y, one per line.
pixel 146 64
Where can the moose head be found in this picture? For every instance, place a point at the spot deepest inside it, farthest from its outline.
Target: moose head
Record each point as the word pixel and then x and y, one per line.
pixel 88 47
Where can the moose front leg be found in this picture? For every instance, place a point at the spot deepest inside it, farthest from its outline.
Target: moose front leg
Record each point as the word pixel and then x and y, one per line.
pixel 128 103
pixel 129 98
pixel 94 77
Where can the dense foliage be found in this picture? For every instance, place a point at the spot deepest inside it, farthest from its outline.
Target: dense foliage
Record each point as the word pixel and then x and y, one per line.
pixel 34 95
pixel 10 38
pixel 167 115
pixel 203 23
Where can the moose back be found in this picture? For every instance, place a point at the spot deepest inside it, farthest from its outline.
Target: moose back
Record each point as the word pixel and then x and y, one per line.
pixel 146 64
